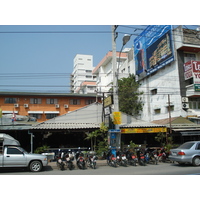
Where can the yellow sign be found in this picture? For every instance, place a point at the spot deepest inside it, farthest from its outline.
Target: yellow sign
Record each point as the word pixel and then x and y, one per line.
pixel 117 117
pixel 0 113
pixel 144 130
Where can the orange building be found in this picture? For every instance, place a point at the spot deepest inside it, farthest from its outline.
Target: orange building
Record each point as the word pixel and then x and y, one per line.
pixel 43 106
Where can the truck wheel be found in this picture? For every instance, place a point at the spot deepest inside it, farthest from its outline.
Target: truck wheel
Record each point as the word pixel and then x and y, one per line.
pixel 35 166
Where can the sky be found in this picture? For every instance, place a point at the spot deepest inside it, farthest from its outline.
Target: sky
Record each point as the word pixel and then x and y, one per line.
pixel 39 39
pixel 34 56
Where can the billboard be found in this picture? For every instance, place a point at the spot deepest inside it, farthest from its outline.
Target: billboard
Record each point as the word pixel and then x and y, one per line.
pixel 153 49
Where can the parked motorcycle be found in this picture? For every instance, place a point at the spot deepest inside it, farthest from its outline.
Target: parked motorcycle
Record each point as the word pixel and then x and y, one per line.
pixel 162 155
pixel 60 160
pixel 92 161
pixel 132 158
pixel 141 157
pixel 111 160
pixel 151 156
pixel 121 159
pixel 69 160
pixel 80 162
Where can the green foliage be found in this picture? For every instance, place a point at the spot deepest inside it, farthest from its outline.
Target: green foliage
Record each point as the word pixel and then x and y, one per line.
pixel 165 140
pixel 129 96
pixel 41 149
pixel 95 134
pixel 132 145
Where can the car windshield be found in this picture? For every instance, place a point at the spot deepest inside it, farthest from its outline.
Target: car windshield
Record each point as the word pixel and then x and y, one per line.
pixel 187 145
pixel 24 151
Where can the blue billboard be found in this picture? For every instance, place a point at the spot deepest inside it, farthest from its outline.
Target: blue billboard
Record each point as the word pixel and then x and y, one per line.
pixel 153 49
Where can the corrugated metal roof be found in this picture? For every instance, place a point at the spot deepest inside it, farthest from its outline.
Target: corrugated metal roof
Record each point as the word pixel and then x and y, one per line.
pixel 66 126
pixel 89 117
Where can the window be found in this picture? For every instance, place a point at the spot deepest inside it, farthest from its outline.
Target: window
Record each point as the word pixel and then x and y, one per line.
pixel 157 111
pixel 50 116
pixel 89 101
pixel 35 101
pixel 52 101
pixel 194 103
pixel 10 100
pixel 171 108
pixel 154 91
pixel 13 151
pixel 74 102
pixel 37 116
pixel 189 56
pixel 88 71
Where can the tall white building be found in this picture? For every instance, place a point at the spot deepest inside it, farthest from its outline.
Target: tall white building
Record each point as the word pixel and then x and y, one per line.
pixel 104 73
pixel 82 79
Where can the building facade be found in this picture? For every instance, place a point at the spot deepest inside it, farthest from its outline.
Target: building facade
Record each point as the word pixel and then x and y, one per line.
pixel 104 72
pixel 160 69
pixel 82 72
pixel 43 106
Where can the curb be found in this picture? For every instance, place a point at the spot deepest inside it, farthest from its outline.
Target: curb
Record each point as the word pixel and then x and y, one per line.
pixel 53 165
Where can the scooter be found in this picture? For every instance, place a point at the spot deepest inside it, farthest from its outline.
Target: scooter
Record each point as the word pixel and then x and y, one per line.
pixel 141 157
pixel 59 161
pixel 111 161
pixel 92 161
pixel 69 160
pixel 122 160
pixel 80 162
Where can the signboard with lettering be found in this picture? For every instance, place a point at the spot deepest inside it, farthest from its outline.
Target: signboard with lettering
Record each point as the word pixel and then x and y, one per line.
pixel 192 70
pixel 108 101
pixel 144 130
pixel 117 117
pixel 153 49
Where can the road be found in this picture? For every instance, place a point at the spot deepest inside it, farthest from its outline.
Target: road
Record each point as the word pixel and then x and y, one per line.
pixel 160 169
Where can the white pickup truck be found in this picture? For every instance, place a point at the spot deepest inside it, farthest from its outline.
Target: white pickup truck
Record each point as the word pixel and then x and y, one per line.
pixel 12 155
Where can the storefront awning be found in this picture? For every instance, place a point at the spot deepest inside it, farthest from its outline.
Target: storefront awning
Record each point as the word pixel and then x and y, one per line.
pixel 189 133
pixel 35 112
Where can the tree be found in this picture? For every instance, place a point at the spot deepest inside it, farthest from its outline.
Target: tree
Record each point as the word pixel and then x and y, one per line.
pixel 94 134
pixel 129 96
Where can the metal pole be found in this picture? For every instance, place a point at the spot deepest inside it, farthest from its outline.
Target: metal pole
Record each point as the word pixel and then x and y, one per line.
pixel 115 94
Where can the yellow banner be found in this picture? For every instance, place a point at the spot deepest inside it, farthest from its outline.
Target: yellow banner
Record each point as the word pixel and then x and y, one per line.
pixel 117 117
pixel 144 130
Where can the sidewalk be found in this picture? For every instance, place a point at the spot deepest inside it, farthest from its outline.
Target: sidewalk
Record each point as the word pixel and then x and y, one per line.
pixel 99 163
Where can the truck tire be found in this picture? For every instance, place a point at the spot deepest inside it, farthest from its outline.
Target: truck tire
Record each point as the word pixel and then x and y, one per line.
pixel 35 166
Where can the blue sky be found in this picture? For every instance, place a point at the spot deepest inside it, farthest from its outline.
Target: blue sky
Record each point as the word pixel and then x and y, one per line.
pixel 43 55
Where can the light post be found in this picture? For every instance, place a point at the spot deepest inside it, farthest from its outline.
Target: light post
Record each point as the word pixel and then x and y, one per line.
pixel 126 38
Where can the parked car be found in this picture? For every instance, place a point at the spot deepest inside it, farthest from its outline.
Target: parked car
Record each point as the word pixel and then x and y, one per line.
pixel 188 152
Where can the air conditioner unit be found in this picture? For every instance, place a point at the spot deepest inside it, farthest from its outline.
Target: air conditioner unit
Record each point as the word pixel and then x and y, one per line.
pixel 16 105
pixel 66 106
pixel 57 105
pixel 25 105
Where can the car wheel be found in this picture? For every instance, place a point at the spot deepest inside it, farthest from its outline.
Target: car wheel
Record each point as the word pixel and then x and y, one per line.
pixel 196 161
pixel 35 166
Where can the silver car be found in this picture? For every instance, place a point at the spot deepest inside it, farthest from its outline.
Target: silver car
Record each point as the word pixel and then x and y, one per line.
pixel 188 152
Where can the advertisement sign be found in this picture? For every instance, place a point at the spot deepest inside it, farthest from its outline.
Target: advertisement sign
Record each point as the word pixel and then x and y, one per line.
pixel 153 49
pixel 117 117
pixel 192 70
pixel 144 130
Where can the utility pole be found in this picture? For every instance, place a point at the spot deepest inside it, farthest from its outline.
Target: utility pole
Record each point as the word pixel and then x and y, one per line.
pixel 170 123
pixel 115 135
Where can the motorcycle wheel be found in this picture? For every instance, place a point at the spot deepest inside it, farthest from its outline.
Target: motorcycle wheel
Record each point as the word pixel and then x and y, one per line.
pixel 62 166
pixel 70 166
